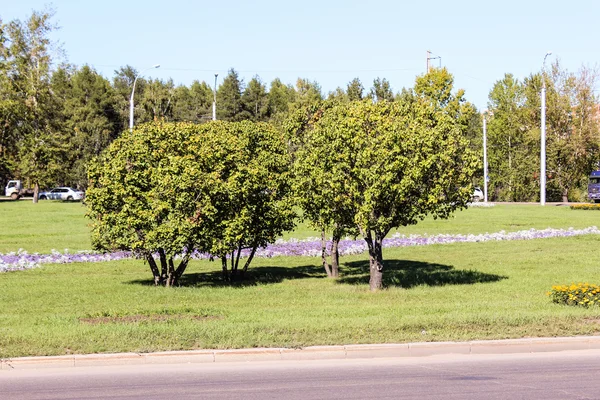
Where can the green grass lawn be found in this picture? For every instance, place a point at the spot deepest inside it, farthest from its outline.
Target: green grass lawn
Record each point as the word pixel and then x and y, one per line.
pixel 60 225
pixel 434 293
pixel 44 226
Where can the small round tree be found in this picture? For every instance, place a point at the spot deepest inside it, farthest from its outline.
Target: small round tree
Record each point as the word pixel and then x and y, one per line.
pixel 165 191
pixel 384 165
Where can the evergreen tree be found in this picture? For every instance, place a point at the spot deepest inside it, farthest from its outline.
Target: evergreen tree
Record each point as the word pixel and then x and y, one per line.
pixel 229 98
pixel 355 90
pixel 381 90
pixel 256 100
pixel 193 104
pixel 92 119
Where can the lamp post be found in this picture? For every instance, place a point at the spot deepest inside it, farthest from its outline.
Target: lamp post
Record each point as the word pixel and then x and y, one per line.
pixel 132 92
pixel 543 136
pixel 215 99
pixel 485 171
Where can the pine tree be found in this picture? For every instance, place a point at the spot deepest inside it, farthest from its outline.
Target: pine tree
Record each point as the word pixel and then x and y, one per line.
pixel 229 98
pixel 355 90
pixel 256 100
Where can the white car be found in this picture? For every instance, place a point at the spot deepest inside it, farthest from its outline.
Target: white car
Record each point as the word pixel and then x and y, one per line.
pixel 477 195
pixel 62 193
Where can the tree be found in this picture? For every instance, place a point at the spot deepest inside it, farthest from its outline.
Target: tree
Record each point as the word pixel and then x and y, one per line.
pixel 193 104
pixel 92 119
pixel 156 101
pixel 437 87
pixel 573 137
pixel 318 183
pixel 381 90
pixel 255 100
pixel 10 109
pixel 338 95
pixel 229 98
pixel 167 190
pixel 394 163
pixel 280 97
pixel 307 93
pixel 511 143
pixel 131 194
pixel 355 90
pixel 254 186
pixel 41 143
pixel 123 83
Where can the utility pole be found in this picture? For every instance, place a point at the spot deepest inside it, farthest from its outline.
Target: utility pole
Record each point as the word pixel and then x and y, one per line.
pixel 429 57
pixel 428 53
pixel 215 99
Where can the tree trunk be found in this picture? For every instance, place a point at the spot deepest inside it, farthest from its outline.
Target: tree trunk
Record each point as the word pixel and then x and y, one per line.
pixel 375 262
pixel 335 256
pixel 36 192
pixel 171 278
pixel 565 195
pixel 224 268
pixel 164 266
pixel 180 269
pixel 153 268
pixel 235 275
pixel 324 254
pixel 249 260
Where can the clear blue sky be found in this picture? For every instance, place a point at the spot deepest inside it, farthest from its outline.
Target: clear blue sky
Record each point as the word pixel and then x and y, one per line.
pixel 330 42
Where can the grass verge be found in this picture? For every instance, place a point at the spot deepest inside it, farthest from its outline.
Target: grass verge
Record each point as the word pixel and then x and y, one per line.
pixel 463 291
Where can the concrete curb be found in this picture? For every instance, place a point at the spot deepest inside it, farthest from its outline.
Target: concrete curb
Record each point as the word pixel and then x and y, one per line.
pixel 509 346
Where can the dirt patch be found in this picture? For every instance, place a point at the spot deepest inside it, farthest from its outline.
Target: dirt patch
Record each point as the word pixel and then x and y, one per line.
pixel 133 319
pixel 595 321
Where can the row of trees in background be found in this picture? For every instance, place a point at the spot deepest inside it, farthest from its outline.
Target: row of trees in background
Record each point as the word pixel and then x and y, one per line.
pixel 572 134
pixel 55 118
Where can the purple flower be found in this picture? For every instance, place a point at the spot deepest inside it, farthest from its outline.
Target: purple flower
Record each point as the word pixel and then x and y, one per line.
pixel 21 260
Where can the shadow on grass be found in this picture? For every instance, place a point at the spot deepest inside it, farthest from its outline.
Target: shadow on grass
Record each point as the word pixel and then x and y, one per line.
pixel 399 273
pixel 254 276
pixel 407 274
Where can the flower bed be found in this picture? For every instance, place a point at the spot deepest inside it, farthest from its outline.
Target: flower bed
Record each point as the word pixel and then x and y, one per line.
pixel 581 294
pixel 587 206
pixel 22 260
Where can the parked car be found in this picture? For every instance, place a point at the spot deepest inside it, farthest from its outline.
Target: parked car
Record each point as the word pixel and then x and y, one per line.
pixel 62 193
pixel 477 195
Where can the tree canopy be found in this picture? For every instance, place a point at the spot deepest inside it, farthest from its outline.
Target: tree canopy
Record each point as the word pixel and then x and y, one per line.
pixel 379 166
pixel 169 190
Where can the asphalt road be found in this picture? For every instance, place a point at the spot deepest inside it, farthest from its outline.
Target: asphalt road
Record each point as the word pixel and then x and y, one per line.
pixel 561 375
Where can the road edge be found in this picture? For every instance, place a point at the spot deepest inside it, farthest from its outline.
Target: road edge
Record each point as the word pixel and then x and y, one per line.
pixel 352 351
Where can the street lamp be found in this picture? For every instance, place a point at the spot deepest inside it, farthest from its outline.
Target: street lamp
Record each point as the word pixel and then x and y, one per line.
pixel 215 99
pixel 132 92
pixel 543 136
pixel 485 166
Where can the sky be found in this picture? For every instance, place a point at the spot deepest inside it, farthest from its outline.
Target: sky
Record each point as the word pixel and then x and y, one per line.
pixel 328 41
